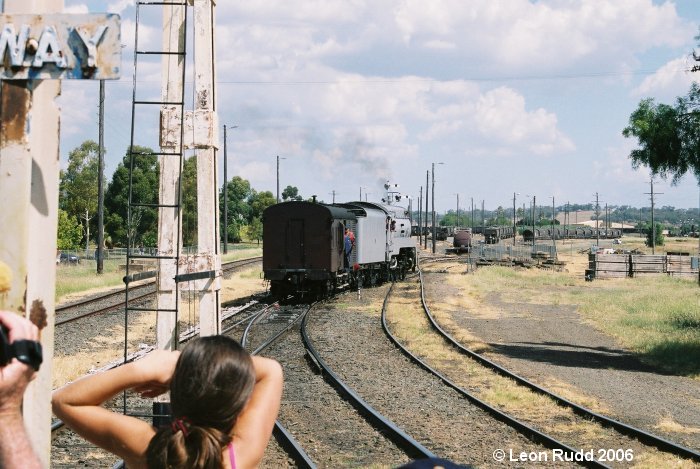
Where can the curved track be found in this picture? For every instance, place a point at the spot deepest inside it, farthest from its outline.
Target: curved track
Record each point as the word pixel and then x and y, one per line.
pixel 625 429
pixel 529 432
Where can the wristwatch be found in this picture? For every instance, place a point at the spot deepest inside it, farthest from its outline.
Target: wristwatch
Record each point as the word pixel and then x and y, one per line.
pixel 28 352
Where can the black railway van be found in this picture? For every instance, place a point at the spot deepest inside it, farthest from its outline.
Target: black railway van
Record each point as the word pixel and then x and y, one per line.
pixel 303 242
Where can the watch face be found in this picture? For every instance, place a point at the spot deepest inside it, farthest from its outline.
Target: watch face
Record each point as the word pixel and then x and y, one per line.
pixel 5 351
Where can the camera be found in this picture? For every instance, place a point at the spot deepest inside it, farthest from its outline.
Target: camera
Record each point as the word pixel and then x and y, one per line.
pixel 27 351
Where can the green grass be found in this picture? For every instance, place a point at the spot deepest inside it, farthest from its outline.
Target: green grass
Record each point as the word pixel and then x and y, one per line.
pixel 658 318
pixel 83 277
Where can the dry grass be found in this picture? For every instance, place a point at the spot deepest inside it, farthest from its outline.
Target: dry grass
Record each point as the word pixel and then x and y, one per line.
pixel 409 323
pixel 242 283
pixel 102 348
pixel 667 424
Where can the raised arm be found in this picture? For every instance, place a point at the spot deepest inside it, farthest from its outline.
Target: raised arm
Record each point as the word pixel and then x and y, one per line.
pixel 254 426
pixel 79 405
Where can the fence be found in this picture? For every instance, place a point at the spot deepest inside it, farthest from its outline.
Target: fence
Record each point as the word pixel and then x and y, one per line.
pixel 637 265
pixel 522 252
pixel 120 253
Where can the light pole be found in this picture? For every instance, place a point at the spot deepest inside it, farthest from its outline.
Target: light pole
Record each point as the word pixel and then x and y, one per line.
pixel 226 193
pixel 433 206
pixel 278 177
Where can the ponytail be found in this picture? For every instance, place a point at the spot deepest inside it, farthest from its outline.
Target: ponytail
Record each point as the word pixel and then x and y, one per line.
pixel 197 448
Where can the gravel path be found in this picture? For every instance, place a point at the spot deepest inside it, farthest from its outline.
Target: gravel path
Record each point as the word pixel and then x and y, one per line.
pixel 328 428
pixel 545 343
pixel 348 335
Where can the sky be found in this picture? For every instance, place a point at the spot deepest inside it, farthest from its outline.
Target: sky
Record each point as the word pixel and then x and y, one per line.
pixel 503 96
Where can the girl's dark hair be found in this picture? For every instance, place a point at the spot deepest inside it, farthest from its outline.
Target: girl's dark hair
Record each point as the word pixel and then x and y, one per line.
pixel 212 382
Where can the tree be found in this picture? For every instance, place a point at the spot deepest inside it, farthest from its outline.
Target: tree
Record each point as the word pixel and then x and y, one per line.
pixel 238 191
pixel 254 230
pixel 291 193
pixel 259 201
pixel 657 234
pixel 78 185
pixel 189 202
pixel 144 220
pixel 69 231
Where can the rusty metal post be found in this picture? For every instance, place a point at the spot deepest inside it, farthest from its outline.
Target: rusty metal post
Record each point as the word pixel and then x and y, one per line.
pixel 29 171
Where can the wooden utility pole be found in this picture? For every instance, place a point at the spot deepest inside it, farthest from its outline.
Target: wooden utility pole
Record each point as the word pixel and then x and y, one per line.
pixel 427 181
pixel 653 225
pixel 205 120
pixel 169 220
pixel 420 215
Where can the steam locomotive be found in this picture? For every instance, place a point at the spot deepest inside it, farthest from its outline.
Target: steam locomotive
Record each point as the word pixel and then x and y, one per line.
pixel 303 245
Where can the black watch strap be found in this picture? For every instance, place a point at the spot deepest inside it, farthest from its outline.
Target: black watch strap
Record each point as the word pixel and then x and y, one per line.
pixel 28 352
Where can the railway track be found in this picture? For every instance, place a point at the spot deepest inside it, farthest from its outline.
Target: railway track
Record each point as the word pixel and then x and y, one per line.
pixel 110 301
pixel 350 340
pixel 316 399
pixel 530 432
pixel 635 437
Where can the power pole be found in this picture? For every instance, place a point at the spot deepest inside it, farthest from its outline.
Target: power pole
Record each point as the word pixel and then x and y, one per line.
pixel 100 184
pixel 427 175
pixel 333 193
pixel 472 213
pixel 225 195
pixel 420 216
pixel 653 225
pixel 554 237
pixel 483 218
pixel 278 179
pixel 433 217
pixel 534 205
pixel 457 222
pixel 515 232
pixel 597 217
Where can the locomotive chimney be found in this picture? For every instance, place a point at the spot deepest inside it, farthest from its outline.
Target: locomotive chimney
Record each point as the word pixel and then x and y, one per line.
pixel 313 197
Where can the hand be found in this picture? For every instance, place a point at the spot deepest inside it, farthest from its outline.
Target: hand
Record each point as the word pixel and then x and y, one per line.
pixel 15 376
pixel 156 370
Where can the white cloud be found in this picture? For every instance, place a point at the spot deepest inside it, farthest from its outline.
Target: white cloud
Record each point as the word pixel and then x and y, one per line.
pixel 520 33
pixel 76 9
pixel 672 79
pixel 120 6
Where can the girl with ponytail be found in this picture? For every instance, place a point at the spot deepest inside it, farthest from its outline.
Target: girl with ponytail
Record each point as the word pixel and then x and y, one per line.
pixel 224 405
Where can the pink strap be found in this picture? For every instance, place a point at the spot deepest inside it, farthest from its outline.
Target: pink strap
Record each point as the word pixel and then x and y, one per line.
pixel 231 456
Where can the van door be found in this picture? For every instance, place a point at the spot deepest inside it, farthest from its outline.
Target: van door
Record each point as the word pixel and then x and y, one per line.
pixel 294 241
